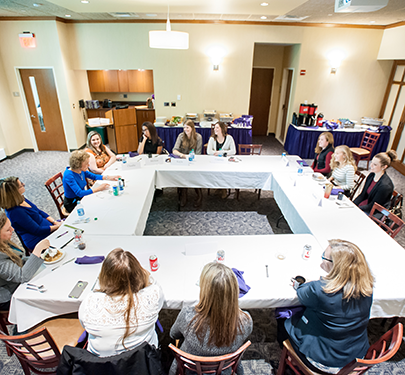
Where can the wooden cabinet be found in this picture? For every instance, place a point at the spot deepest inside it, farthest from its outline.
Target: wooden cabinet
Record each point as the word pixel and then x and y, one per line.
pixel 144 114
pixel 120 80
pixel 125 132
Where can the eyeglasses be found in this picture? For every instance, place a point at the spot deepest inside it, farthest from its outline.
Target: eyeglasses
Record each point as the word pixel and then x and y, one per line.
pixel 328 260
pixel 21 184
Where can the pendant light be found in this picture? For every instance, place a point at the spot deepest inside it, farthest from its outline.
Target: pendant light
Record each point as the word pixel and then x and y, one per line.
pixel 168 39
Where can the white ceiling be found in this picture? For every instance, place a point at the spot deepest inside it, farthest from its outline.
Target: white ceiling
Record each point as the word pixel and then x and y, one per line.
pixel 313 11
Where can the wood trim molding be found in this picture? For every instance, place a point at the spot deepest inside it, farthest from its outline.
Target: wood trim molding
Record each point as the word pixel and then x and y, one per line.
pixel 393 25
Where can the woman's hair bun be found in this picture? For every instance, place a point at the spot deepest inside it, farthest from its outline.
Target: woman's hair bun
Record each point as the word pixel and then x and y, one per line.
pixel 392 155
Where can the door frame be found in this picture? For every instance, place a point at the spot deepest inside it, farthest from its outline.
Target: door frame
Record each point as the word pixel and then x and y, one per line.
pixel 272 92
pixel 25 105
pixel 283 88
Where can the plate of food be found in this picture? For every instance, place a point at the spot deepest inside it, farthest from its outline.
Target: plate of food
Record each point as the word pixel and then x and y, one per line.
pixel 51 256
pixel 318 177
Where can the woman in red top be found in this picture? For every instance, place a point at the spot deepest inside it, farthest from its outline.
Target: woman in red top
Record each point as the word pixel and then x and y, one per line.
pixel 101 157
pixel 324 151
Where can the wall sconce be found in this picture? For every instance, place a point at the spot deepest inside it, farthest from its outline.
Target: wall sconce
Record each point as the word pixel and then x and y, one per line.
pixel 335 59
pixel 216 55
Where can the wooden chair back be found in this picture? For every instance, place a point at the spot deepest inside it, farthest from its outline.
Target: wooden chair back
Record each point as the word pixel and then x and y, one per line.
pixel 359 178
pixel 55 187
pixel 391 223
pixel 207 365
pixel 250 149
pixel 369 140
pixel 384 349
pixel 36 351
pixel 397 200
pixel 205 149
pixel 3 327
pixel 27 250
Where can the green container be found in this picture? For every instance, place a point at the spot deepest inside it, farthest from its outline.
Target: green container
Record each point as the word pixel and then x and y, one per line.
pixel 100 130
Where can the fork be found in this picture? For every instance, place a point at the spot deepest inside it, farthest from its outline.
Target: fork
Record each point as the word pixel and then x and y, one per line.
pixel 37 286
pixel 38 290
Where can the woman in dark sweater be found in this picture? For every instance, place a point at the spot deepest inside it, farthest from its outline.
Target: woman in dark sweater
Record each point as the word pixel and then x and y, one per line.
pixel 324 151
pixel 378 187
pixel 150 143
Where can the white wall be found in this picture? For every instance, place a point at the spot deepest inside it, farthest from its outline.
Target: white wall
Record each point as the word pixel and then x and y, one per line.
pixel 393 44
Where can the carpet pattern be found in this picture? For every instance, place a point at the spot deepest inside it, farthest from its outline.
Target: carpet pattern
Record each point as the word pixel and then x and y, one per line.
pixel 217 216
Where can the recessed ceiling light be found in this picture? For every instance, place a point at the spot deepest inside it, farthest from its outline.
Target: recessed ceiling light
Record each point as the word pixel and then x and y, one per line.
pixel 372 21
pixel 151 14
pixel 68 15
pixel 264 4
pixel 263 17
pixel 84 1
pixel 36 5
pixel 330 15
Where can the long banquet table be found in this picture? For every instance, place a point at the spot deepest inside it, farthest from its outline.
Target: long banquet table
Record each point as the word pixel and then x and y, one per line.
pixel 312 218
pixel 302 140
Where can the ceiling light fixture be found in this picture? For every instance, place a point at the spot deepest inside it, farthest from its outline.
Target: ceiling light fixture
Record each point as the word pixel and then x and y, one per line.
pixel 263 17
pixel 36 5
pixel 151 15
pixel 264 4
pixel 84 1
pixel 168 39
pixel 68 15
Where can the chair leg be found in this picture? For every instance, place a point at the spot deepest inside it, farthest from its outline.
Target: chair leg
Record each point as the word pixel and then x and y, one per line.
pixel 282 364
pixel 278 220
pixel 237 193
pixel 25 367
pixel 258 195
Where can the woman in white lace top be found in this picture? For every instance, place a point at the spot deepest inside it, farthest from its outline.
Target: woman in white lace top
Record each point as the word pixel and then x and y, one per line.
pixel 343 169
pixel 122 313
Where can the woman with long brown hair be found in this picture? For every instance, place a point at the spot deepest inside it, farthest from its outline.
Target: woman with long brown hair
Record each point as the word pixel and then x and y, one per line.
pixel 220 141
pixel 150 143
pixel 101 157
pixel 122 313
pixel 15 268
pixel 323 153
pixel 332 331
pixel 216 326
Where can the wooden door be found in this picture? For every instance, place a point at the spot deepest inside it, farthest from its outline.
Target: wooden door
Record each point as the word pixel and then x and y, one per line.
pixel 260 96
pixel 43 105
pixel 286 103
pixel 127 138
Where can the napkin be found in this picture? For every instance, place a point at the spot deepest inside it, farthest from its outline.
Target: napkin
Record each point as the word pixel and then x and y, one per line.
pixel 303 162
pixel 174 156
pixel 288 312
pixel 243 287
pixel 132 154
pixel 335 191
pixel 90 260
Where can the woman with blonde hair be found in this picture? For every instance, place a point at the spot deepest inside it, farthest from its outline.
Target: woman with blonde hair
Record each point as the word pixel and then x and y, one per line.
pixel 122 313
pixel 30 223
pixel 378 187
pixel 185 142
pixel 332 331
pixel 74 179
pixel 15 268
pixel 323 153
pixel 216 326
pixel 101 157
pixel 343 169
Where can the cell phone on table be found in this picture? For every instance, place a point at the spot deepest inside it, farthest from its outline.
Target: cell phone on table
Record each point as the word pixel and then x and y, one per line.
pixel 78 289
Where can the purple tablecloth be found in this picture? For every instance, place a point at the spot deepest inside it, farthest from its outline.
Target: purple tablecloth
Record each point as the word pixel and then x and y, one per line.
pixel 302 142
pixel 169 135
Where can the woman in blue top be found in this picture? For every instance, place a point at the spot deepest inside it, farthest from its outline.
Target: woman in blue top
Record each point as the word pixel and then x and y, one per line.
pixel 332 331
pixel 30 223
pixel 74 179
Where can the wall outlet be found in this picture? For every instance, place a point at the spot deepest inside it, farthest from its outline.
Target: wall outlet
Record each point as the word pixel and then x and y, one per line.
pixel 178 97
pixel 166 104
pixel 173 104
pixel 125 96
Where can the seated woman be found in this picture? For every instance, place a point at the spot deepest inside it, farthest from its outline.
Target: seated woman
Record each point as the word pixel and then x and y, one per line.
pixel 216 326
pixel 101 157
pixel 14 267
pixel 122 313
pixel 185 142
pixel 30 223
pixel 332 331
pixel 343 169
pixel 323 153
pixel 74 179
pixel 378 187
pixel 150 143
pixel 220 141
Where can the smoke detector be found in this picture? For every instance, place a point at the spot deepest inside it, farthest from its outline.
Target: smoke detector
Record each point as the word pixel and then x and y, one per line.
pixel 358 6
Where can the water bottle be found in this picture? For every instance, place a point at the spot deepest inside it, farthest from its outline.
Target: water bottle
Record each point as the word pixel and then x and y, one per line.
pixel 124 159
pixel 81 213
pixel 121 185
pixel 283 155
pixel 191 156
pixel 220 153
pixel 300 170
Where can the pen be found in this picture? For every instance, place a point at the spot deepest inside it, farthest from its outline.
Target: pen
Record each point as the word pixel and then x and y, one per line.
pixel 63 234
pixel 69 226
pixel 60 265
pixel 92 288
pixel 267 270
pixel 67 243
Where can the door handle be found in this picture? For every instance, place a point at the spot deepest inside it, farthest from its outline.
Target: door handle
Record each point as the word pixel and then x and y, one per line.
pixel 32 116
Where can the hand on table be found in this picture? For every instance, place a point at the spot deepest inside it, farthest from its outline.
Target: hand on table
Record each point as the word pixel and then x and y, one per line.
pixel 41 245
pixel 111 178
pixel 100 188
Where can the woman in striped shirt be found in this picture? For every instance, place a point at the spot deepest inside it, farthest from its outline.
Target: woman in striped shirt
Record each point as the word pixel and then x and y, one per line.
pixel 343 169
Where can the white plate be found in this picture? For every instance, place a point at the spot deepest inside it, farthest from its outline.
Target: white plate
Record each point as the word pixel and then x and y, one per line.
pixel 317 177
pixel 57 260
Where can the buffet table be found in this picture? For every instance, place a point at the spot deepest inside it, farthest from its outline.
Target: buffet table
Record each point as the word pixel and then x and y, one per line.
pixel 302 140
pixel 169 135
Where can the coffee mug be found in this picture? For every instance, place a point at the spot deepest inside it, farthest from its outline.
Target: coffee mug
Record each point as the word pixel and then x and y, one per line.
pixel 297 281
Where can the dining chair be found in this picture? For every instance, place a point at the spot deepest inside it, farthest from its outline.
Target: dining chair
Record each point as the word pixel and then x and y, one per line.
pixel 384 349
pixel 39 350
pixel 205 149
pixel 207 365
pixel 249 149
pixel 359 178
pixel 391 223
pixel 396 203
pixel 27 250
pixel 367 144
pixel 3 327
pixel 55 187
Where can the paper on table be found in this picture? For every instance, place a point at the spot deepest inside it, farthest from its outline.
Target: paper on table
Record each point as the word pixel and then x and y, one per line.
pixel 200 248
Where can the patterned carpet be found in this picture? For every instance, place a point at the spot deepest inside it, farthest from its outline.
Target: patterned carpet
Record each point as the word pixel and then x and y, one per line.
pixel 217 216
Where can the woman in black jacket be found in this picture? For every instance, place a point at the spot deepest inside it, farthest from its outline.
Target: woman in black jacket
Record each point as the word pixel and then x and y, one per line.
pixel 323 154
pixel 378 187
